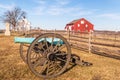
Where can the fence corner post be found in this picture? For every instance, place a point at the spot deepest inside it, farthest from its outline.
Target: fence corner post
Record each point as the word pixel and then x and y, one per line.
pixel 89 43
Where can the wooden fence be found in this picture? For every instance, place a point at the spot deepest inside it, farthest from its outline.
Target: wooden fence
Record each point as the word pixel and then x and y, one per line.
pixel 106 43
pixel 100 42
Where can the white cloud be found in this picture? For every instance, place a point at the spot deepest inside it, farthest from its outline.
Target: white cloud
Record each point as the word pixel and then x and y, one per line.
pixel 55 11
pixel 59 7
pixel 42 2
pixel 6 6
pixel 61 11
pixel 110 16
pixel 40 10
pixel 63 2
pixel 55 7
pixel 81 12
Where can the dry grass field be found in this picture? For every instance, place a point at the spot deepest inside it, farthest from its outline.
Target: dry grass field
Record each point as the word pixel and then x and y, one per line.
pixel 13 68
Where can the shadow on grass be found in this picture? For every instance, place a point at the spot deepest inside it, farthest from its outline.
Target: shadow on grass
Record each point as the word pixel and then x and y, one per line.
pixel 106 54
pixel 69 68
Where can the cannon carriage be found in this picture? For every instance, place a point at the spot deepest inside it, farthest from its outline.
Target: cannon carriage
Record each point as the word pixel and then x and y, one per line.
pixel 47 55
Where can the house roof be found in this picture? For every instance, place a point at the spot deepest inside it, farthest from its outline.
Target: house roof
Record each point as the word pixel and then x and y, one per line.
pixel 74 21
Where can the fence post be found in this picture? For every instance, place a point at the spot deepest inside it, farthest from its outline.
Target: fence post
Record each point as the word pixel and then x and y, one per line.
pixel 89 43
pixel 68 35
pixel 115 38
pixel 55 31
pixel 45 31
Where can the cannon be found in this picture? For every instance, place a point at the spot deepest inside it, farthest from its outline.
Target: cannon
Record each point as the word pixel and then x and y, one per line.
pixel 47 55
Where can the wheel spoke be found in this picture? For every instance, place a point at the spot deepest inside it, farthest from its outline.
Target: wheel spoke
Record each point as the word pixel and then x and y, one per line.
pixel 34 57
pixel 34 51
pixel 46 51
pixel 60 48
pixel 37 50
pixel 56 46
pixel 39 62
pixel 60 54
pixel 58 58
pixel 42 46
pixel 53 68
pixel 58 68
pixel 42 69
pixel 49 68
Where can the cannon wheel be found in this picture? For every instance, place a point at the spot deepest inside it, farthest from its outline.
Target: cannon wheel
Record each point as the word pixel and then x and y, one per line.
pixel 47 59
pixel 24 47
pixel 23 51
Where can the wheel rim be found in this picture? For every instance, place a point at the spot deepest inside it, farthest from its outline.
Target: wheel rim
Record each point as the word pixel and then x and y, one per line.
pixel 23 51
pixel 24 47
pixel 49 58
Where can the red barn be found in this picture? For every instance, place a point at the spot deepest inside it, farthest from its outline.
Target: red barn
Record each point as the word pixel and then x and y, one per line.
pixel 81 25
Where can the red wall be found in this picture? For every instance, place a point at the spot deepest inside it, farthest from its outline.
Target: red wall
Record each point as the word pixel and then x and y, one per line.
pixel 82 27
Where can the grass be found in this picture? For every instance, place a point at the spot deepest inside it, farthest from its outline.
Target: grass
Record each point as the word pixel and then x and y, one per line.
pixel 13 68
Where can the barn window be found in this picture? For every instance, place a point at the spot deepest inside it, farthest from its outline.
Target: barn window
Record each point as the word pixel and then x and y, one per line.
pixel 82 22
pixel 78 25
pixel 70 28
pixel 86 25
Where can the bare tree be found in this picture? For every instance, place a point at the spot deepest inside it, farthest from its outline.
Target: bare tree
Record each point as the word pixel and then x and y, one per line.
pixel 13 16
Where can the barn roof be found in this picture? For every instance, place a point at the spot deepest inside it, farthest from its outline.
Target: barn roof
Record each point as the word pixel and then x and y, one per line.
pixel 74 21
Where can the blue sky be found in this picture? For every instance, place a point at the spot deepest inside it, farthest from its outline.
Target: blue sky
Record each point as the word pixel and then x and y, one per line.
pixel 55 14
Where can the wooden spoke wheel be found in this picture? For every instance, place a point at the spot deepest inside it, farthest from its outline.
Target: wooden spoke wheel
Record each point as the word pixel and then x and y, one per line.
pixel 49 55
pixel 24 47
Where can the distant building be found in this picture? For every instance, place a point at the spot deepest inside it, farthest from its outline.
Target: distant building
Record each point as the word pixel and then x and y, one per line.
pixel 81 25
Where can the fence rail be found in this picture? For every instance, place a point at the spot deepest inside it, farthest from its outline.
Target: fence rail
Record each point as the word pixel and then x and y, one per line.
pixel 98 41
